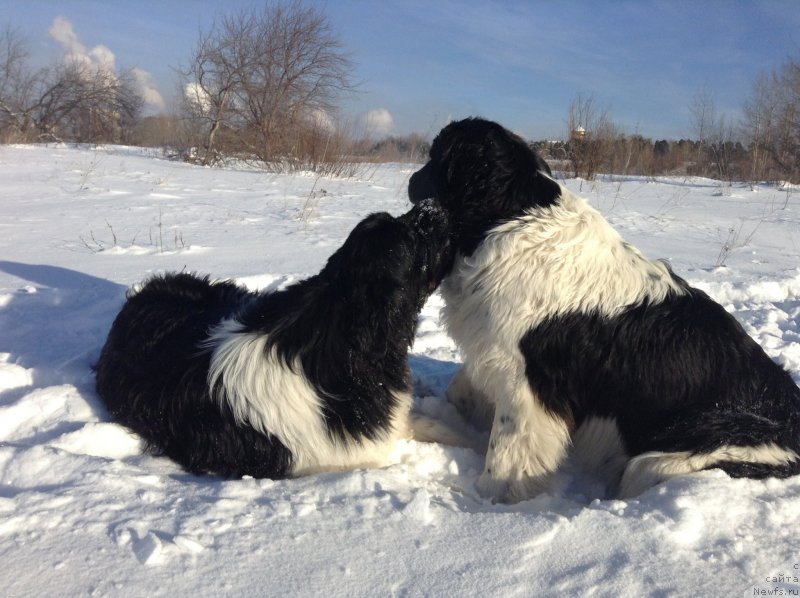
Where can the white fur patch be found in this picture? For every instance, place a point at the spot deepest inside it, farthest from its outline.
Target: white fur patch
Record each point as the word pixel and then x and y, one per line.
pixel 560 259
pixel 274 399
pixel 648 469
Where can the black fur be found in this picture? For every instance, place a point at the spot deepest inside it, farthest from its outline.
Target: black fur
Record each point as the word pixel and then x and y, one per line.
pixel 349 328
pixel 677 375
pixel 483 175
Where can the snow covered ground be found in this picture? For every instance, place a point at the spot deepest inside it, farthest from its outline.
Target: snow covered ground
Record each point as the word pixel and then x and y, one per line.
pixel 84 512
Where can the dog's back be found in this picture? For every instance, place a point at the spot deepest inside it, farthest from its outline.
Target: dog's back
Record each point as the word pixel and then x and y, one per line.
pixel 160 323
pixel 152 374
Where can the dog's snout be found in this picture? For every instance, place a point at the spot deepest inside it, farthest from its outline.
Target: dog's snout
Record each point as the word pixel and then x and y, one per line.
pixel 413 188
pixel 420 185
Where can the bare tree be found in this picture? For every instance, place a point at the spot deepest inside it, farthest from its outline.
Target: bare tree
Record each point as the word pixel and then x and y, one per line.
pixel 18 86
pixel 71 101
pixel 82 103
pixel 772 124
pixel 784 145
pixel 717 153
pixel 703 111
pixel 266 77
pixel 160 130
pixel 212 78
pixel 592 134
pixel 760 114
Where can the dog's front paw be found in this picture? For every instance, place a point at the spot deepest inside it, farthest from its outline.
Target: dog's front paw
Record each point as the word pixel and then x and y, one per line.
pixel 511 491
pixel 491 488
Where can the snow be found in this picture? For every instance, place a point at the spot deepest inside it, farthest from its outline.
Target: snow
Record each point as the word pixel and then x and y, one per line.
pixel 84 512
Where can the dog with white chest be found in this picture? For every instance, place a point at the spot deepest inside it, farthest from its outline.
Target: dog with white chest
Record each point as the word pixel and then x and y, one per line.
pixel 311 378
pixel 572 338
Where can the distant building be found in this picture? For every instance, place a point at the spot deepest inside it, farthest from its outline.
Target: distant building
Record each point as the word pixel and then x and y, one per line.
pixel 578 134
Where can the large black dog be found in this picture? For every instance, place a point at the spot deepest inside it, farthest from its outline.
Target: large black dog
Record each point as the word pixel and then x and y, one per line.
pixel 571 336
pixel 310 378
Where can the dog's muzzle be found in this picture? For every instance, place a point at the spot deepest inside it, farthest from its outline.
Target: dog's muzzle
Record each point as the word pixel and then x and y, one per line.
pixel 420 185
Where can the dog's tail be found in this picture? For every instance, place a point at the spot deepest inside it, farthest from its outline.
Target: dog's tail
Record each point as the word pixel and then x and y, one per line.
pixel 740 444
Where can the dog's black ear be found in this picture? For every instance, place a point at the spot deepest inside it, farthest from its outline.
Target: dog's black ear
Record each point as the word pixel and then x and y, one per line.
pixel 485 162
pixel 533 187
pixel 528 182
pixel 356 257
pixel 542 165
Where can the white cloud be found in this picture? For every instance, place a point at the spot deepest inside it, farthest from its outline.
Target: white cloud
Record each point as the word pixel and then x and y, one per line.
pixel 61 30
pixel 147 88
pixel 101 57
pixel 198 98
pixel 378 122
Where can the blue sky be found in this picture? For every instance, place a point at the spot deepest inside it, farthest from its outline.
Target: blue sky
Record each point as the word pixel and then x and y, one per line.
pixel 521 63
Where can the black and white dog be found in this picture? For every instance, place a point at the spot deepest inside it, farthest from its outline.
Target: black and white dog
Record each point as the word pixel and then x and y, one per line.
pixel 307 379
pixel 572 336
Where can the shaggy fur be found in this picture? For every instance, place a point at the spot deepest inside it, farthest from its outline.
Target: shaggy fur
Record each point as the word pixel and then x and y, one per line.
pixel 563 325
pixel 310 378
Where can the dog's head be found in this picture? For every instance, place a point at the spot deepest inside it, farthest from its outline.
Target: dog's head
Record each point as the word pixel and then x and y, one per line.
pixel 412 251
pixel 387 268
pixel 433 243
pixel 482 175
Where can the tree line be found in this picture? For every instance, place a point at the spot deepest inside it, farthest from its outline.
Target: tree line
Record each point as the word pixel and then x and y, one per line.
pixel 268 84
pixel 764 146
pixel 623 154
